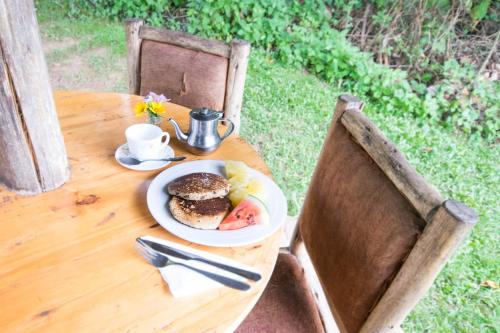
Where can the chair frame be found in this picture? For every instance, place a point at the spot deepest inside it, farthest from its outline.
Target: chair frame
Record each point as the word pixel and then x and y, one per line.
pixel 448 223
pixel 237 52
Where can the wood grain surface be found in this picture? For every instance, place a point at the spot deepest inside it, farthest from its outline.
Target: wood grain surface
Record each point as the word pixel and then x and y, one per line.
pixel 188 41
pixel 67 257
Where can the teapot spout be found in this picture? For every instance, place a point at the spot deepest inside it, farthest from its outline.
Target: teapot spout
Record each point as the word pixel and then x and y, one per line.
pixel 178 132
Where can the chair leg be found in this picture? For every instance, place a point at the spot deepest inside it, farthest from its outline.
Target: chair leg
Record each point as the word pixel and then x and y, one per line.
pixel 297 241
pixel 289 232
pixel 300 252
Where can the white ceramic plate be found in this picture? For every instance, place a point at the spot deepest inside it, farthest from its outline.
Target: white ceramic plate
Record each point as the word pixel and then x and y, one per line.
pixel 158 197
pixel 123 151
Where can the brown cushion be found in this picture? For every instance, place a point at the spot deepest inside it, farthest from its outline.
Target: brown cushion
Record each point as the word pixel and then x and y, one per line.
pixel 286 305
pixel 357 227
pixel 191 78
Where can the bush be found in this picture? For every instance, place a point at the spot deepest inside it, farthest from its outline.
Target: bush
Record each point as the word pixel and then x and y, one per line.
pixel 301 34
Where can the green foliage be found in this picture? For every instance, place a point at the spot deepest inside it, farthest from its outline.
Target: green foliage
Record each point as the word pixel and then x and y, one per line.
pixel 302 34
pixel 150 10
pixel 466 99
pixel 479 11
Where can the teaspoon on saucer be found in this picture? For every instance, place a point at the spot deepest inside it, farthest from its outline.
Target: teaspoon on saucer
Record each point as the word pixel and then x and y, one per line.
pixel 135 161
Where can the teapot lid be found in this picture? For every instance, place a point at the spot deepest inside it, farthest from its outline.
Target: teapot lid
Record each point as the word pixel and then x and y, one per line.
pixel 205 114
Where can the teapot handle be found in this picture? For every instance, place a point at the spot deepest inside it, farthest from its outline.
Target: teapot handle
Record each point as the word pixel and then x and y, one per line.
pixel 229 130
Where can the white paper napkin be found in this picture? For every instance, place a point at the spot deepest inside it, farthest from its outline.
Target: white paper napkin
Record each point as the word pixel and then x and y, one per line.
pixel 183 281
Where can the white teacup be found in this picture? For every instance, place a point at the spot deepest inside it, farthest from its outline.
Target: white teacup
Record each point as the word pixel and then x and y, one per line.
pixel 146 141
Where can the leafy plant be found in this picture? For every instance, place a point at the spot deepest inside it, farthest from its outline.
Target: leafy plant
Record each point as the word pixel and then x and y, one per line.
pixel 150 10
pixel 479 10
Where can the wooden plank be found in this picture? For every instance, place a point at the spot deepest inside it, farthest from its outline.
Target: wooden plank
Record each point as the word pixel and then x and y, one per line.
pixel 23 57
pixel 319 295
pixel 450 225
pixel 185 40
pixel 17 171
pixel 236 76
pixel 68 259
pixel 132 27
pixel 410 183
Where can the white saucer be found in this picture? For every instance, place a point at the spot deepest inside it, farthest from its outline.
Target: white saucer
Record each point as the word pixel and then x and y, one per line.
pixel 123 151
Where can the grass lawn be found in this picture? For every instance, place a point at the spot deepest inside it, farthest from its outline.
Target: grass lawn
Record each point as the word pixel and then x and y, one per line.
pixel 286 114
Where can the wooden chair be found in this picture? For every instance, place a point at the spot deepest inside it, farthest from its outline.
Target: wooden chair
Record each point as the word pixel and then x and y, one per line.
pixel 192 71
pixel 376 233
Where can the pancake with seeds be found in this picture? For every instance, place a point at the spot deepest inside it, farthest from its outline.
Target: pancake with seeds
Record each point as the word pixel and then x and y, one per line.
pixel 201 214
pixel 199 186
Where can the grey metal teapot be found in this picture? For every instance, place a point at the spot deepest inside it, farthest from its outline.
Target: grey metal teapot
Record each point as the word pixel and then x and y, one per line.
pixel 202 137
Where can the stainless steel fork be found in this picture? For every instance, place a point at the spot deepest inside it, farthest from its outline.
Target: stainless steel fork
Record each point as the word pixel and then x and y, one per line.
pixel 159 260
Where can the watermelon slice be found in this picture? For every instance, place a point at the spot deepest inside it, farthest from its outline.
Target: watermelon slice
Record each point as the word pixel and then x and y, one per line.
pixel 248 212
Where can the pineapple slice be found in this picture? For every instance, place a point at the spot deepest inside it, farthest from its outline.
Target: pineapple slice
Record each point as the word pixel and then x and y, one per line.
pixel 242 184
pixel 236 168
pixel 256 188
pixel 239 181
pixel 237 195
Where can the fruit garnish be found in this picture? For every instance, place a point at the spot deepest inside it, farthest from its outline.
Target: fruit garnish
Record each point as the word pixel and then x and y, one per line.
pixel 250 211
pixel 239 181
pixel 256 188
pixel 237 195
pixel 242 184
pixel 235 168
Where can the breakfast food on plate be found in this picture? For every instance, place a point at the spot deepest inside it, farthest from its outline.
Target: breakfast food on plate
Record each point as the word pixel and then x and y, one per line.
pixel 202 200
pixel 199 199
pixel 199 186
pixel 250 211
pixel 199 214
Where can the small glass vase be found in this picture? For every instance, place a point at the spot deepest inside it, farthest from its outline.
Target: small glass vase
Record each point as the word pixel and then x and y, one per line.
pixel 154 119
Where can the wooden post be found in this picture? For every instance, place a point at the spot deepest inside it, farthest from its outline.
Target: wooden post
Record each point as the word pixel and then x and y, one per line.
pixel 32 153
pixel 451 223
pixel 237 72
pixel 344 103
pixel 132 27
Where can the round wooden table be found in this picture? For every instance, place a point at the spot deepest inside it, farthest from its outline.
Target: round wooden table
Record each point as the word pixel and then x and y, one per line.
pixel 67 258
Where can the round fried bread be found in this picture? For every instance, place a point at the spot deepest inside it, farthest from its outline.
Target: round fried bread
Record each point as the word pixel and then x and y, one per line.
pixel 199 186
pixel 202 214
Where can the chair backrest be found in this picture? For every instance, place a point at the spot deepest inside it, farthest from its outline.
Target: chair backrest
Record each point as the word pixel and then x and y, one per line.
pixel 192 71
pixel 376 232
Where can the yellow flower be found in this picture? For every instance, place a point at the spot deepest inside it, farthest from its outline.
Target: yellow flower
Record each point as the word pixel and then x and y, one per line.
pixel 151 107
pixel 157 108
pixel 140 109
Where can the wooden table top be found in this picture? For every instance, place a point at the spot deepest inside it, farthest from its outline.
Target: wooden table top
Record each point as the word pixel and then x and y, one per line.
pixel 67 257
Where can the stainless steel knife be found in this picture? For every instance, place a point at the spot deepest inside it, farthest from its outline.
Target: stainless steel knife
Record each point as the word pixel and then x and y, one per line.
pixel 177 253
